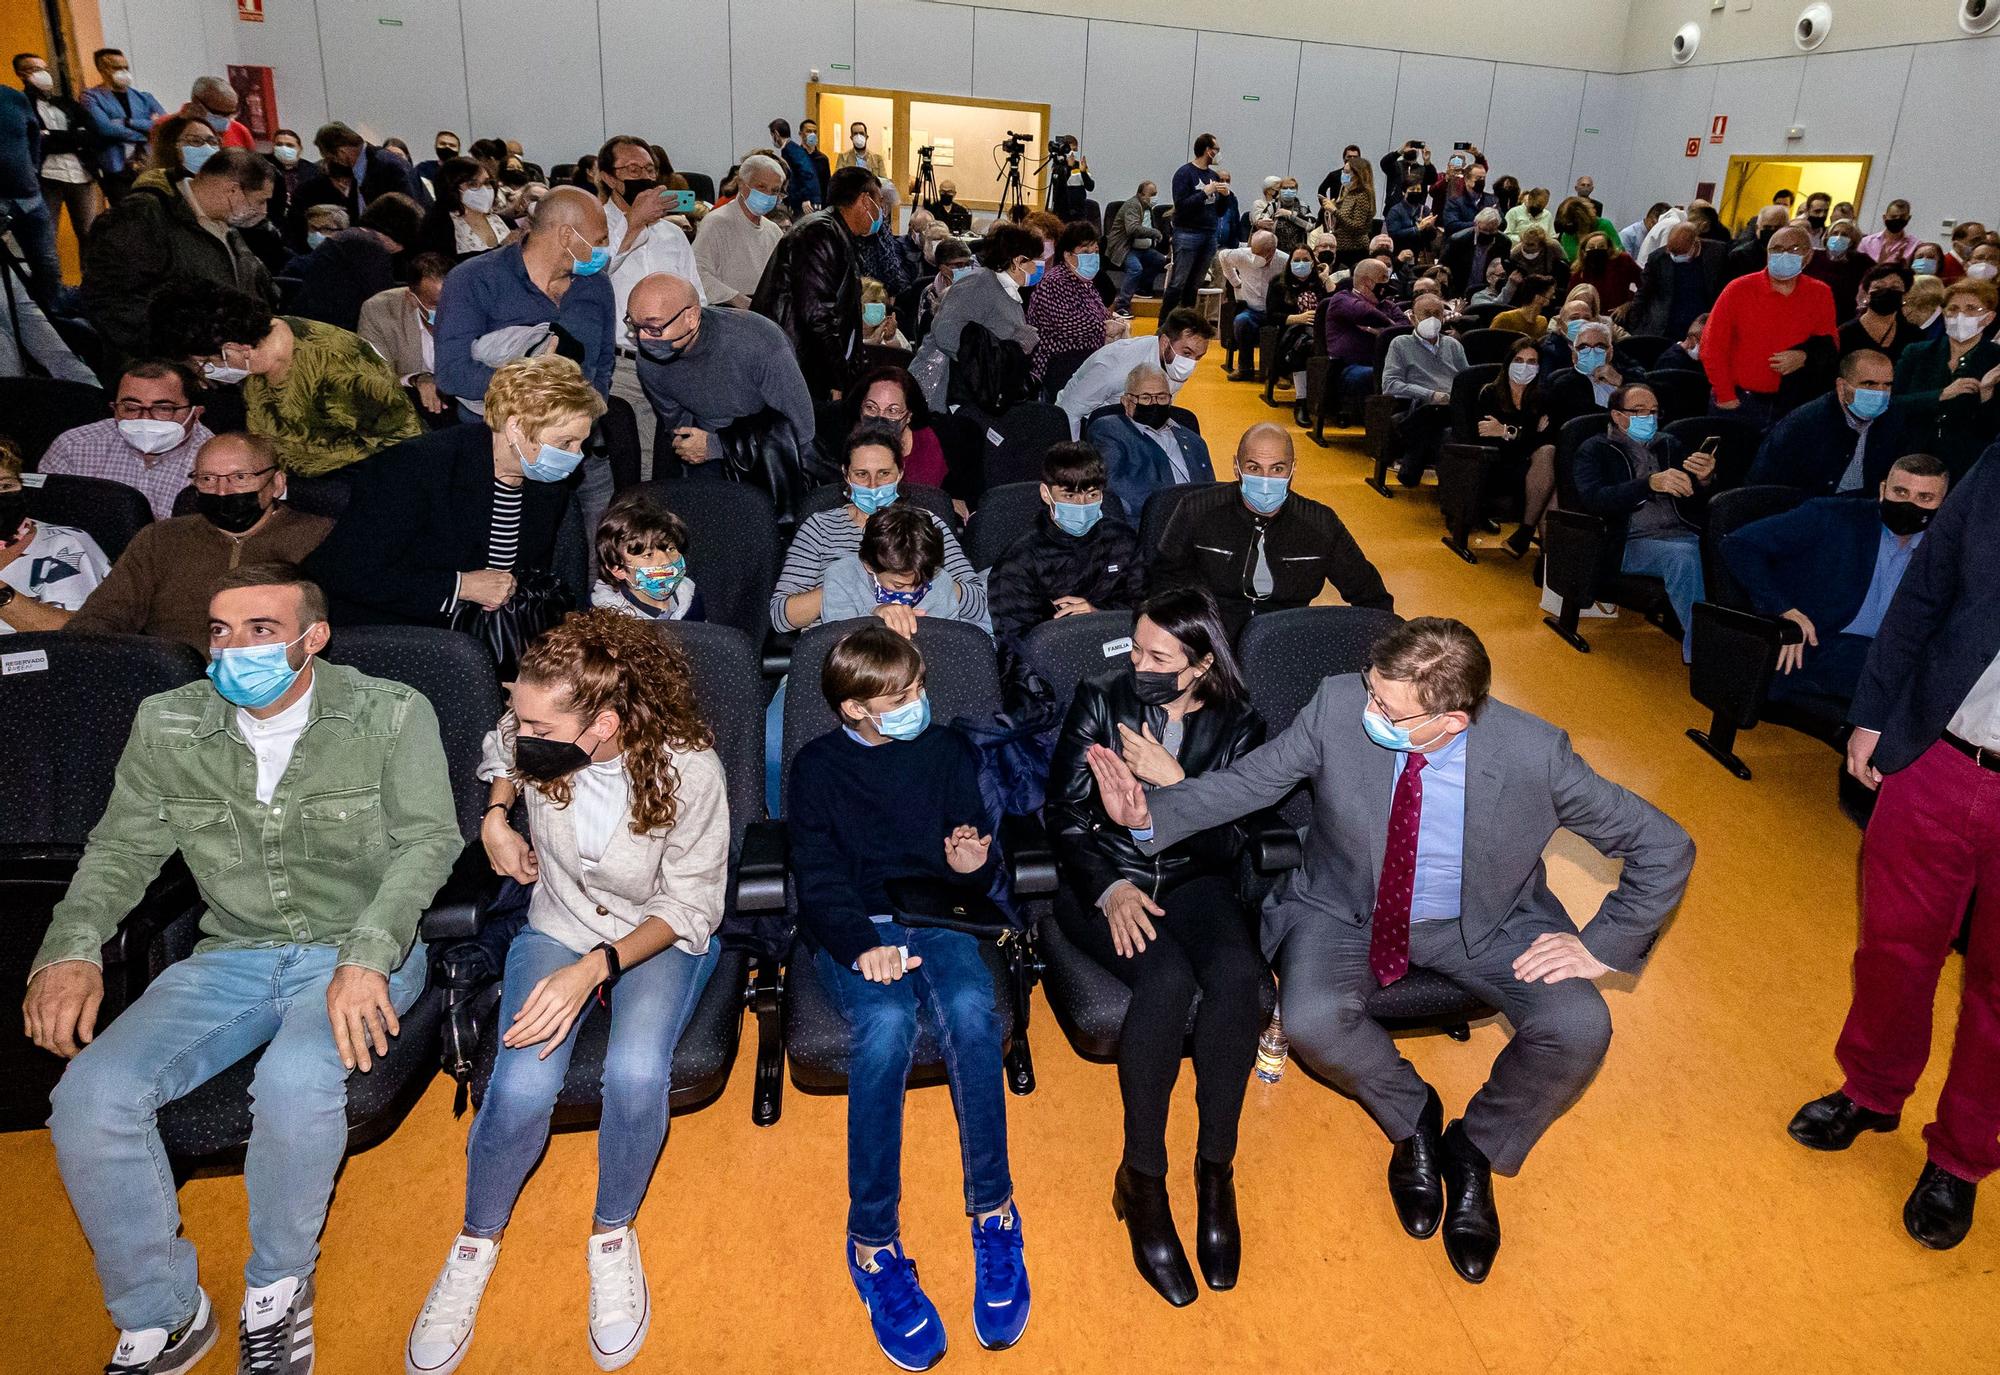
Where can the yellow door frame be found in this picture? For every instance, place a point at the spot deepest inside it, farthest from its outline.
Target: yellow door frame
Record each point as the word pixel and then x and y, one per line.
pixel 1034 186
pixel 1738 173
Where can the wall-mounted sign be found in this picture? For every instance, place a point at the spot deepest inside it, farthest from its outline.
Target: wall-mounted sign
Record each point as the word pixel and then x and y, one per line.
pixel 1694 146
pixel 250 11
pixel 1717 128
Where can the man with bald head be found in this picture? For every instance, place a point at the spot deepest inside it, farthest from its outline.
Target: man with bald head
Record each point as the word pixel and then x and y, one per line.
pixel 1259 547
pixel 160 584
pixel 716 377
pixel 1250 270
pixel 1771 340
pixel 1747 256
pixel 1679 283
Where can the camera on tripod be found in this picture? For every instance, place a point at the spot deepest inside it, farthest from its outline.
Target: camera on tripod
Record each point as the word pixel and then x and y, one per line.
pixel 1015 146
pixel 1058 149
pixel 924 153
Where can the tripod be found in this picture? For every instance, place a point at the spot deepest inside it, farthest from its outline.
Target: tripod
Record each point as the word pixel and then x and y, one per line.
pixel 1010 185
pixel 924 192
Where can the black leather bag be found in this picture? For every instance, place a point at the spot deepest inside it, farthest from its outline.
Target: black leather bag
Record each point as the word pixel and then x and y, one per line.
pixel 761 451
pixel 539 603
pixel 921 902
pixel 989 374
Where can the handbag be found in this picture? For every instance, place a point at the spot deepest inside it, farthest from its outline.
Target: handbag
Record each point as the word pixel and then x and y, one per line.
pixel 923 902
pixel 539 603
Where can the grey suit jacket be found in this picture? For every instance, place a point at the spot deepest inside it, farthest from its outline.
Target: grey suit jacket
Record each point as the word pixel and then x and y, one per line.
pixel 1510 755
pixel 390 323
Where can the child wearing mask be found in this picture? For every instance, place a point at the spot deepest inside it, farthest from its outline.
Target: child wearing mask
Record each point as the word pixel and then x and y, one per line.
pixel 642 563
pixel 1075 560
pixel 898 575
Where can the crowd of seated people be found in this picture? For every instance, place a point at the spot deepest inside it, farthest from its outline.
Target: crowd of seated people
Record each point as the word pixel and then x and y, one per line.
pixel 431 357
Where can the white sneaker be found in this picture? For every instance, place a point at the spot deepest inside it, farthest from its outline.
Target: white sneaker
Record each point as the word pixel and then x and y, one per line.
pixel 442 1333
pixel 156 1351
pixel 620 1308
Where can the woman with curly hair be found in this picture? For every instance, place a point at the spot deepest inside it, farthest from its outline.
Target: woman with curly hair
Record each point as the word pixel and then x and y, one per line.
pixel 627 854
pixel 322 394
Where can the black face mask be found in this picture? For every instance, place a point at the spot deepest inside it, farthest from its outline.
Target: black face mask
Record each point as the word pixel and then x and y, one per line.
pixel 230 512
pixel 947 198
pixel 544 761
pixel 1884 302
pixel 1597 257
pixel 444 154
pixel 1904 517
pixel 1897 224
pixel 13 510
pixel 1816 221
pixel 1151 414
pixel 1156 689
pixel 634 187
pixel 1479 183
pixel 1765 234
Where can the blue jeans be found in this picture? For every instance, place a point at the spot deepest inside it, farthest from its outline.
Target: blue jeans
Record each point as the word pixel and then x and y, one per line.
pixel 1248 323
pixel 198 1018
pixel 650 1007
pixel 774 750
pixel 35 231
pixel 1193 252
pixel 1676 561
pixel 1142 265
pixel 1759 408
pixel 954 990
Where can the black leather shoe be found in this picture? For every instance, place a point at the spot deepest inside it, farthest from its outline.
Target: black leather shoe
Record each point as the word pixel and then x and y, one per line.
pixel 1218 1242
pixel 1471 1223
pixel 1140 1201
pixel 1413 1173
pixel 1939 1212
pixel 1833 1122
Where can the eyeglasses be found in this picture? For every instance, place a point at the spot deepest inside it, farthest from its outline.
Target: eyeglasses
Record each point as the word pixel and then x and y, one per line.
pixel 157 410
pixel 1637 410
pixel 658 331
pixel 1151 398
pixel 629 171
pixel 873 411
pixel 232 482
pixel 1383 707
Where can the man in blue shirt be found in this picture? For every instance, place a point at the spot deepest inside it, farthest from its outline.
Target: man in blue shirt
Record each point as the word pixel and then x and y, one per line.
pixel 1196 191
pixel 122 117
pixel 1832 564
pixel 802 188
pixel 21 195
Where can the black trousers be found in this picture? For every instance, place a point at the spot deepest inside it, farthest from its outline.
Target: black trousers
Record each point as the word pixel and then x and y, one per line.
pixel 1206 946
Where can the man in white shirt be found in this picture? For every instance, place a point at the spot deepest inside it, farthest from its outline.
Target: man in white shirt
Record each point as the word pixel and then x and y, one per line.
pixel 643 242
pixel 46 571
pixel 736 239
pixel 1100 380
pixel 1250 271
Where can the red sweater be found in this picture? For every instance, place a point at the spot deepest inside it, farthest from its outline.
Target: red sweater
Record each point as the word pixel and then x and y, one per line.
pixel 1750 321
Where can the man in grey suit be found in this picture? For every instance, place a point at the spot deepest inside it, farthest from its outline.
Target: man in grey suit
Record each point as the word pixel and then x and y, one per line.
pixel 1413 858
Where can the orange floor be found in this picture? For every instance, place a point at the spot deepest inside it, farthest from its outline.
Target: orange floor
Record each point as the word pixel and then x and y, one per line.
pixel 1666 1224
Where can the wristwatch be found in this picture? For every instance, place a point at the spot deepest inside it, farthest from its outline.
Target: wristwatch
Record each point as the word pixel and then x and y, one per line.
pixel 611 962
pixel 6 595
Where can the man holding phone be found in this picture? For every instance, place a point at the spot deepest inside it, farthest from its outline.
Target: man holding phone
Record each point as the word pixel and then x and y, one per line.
pixel 644 241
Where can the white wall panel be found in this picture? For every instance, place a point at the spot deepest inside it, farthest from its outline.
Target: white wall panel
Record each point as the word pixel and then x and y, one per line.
pixel 408 76
pixel 1138 91
pixel 641 96
pixel 1018 56
pixel 1346 95
pixel 1759 98
pixel 166 51
pixel 1668 109
pixel 1605 124
pixel 1849 103
pixel 912 45
pixel 773 44
pixel 1531 129
pixel 1441 100
pixel 1933 164
pixel 288 43
pixel 1256 133
pixel 554 101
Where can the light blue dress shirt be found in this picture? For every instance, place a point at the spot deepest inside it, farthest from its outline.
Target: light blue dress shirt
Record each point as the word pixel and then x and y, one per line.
pixel 1892 560
pixel 1440 832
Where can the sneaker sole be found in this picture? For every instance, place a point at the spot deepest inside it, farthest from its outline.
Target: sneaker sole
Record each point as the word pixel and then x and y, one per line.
pixel 613 1360
pixel 1026 1311
pixel 452 1362
pixel 915 1368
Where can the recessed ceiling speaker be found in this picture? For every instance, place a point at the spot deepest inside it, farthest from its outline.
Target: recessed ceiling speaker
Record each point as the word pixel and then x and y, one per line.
pixel 1689 37
pixel 1814 24
pixel 1978 16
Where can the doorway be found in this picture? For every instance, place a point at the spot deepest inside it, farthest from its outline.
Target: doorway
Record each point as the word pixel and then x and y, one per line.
pixel 965 137
pixel 1752 180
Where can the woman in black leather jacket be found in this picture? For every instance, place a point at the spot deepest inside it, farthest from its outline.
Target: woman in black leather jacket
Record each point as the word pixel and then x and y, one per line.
pixel 1169 926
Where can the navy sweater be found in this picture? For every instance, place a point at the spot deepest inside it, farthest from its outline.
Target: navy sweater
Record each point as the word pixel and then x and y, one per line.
pixel 861 815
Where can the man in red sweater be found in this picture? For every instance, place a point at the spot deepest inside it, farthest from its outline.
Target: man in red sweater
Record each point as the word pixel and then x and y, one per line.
pixel 1766 327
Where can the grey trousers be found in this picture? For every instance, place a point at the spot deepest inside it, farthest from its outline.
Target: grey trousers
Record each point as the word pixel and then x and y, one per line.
pixel 1561 1030
pixel 625 383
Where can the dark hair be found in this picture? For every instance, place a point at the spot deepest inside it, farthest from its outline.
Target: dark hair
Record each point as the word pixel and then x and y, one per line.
pixel 429 265
pixel 608 153
pixel 194 317
pixel 312 601
pixel 1202 143
pixel 1851 364
pixel 632 525
pixel 902 539
pixel 154 369
pixel 872 434
pixel 1189 614
pixel 1075 465
pixel 397 216
pixel 1006 242
pixel 333 137
pixel 1533 286
pixel 873 661
pixel 1186 320
pixel 493 150
pixel 849 185
pixel 1783 193
pixel 1618 398
pixel 1075 235
pixel 247 170
pixel 1440 657
pixel 98 57
pixel 1882 271
pixel 781 127
pixel 913 397
pixel 393 144
pixel 293 134
pixel 1658 208
pixel 454 175
pixel 1921 465
pixel 950 252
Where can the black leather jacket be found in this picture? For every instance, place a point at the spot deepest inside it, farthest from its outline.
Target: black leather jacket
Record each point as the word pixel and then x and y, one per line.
pixel 1093 851
pixel 812 289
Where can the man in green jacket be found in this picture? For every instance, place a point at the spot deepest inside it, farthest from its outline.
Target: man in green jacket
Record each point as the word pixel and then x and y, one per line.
pixel 314 807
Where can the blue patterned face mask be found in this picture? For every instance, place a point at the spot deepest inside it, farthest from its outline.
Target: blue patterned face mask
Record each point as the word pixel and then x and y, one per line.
pixel 658 581
pixel 891 596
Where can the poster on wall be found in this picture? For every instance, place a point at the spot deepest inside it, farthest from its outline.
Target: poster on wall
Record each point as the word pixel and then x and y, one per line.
pixel 250 11
pixel 257 99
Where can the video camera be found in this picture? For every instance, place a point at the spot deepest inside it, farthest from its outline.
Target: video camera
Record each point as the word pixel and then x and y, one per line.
pixel 1016 145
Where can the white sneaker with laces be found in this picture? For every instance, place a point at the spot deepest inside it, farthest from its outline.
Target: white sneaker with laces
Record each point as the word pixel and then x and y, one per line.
pixel 442 1333
pixel 620 1308
pixel 157 1351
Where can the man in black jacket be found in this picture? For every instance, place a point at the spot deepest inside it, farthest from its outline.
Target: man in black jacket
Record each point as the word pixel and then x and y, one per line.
pixel 352 173
pixel 1075 560
pixel 1927 734
pixel 1680 283
pixel 1468 251
pixel 1844 442
pixel 812 284
pixel 1258 547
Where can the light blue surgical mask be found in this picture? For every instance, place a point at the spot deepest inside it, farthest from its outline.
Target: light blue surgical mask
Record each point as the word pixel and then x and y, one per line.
pixel 869 500
pixel 1642 427
pixel 1301 269
pixel 219 123
pixel 196 155
pixel 549 464
pixel 1785 266
pixel 1086 265
pixel 1076 517
pixel 1838 244
pixel 1265 494
pixel 1924 267
pixel 252 676
pixel 1034 276
pixel 908 721
pixel 1868 403
pixel 959 274
pixel 1574 328
pixel 1387 733
pixel 873 313
pixel 761 202
pixel 1589 360
pixel 599 259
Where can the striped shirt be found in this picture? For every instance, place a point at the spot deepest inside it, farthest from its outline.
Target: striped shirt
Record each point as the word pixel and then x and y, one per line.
pixel 503 537
pixel 828 536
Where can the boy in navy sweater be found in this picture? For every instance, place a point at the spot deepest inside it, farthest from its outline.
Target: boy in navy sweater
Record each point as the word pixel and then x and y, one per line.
pixel 888 796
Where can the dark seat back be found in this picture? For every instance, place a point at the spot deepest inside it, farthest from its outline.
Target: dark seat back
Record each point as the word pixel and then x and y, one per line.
pixel 732 552
pixel 1736 443
pixel 702 184
pixel 1729 512
pixel 728 686
pixel 34 410
pixel 1681 394
pixel 1017 440
pixel 1642 350
pixel 1004 515
pixel 1160 508
pixel 1067 651
pixel 1465 389
pixel 932 499
pixel 1488 345
pixel 109 512
pixel 1575 432
pixel 1287 654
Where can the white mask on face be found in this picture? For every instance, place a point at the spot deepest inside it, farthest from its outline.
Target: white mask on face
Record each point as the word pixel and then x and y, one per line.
pixel 1983 272
pixel 1179 369
pixel 152 436
pixel 1965 328
pixel 1428 329
pixel 42 81
pixel 861 143
pixel 222 374
pixel 477 199
pixel 121 79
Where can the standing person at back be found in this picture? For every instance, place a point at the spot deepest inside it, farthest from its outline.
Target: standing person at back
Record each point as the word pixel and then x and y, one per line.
pixel 1767 328
pixel 1196 191
pixel 812 284
pixel 122 119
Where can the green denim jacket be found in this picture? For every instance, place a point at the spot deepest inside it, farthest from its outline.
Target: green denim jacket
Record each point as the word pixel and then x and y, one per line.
pixel 358 837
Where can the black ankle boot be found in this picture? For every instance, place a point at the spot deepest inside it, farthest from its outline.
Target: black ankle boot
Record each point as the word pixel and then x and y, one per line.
pixel 1218 1242
pixel 1140 1201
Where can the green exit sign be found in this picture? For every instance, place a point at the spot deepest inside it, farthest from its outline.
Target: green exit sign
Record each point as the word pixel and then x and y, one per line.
pixel 390 23
pixel 842 67
pixel 1253 98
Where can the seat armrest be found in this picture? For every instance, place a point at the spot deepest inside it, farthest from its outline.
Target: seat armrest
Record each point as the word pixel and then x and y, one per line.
pixel 776 655
pixel 761 870
pixel 459 909
pixel 1276 848
pixel 1031 860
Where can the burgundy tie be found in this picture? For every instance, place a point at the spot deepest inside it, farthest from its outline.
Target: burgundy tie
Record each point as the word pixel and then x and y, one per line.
pixel 1389 938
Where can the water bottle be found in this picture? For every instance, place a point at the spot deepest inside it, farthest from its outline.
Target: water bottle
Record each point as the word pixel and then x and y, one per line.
pixel 1272 1048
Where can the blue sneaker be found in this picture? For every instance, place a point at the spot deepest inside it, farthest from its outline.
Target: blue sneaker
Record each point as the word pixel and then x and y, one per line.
pixel 1000 1281
pixel 907 1325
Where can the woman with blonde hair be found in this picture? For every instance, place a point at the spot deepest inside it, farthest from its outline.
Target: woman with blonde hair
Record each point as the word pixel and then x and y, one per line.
pixel 627 856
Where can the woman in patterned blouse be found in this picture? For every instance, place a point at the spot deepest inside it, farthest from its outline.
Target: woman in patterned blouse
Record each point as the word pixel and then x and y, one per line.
pixel 1064 306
